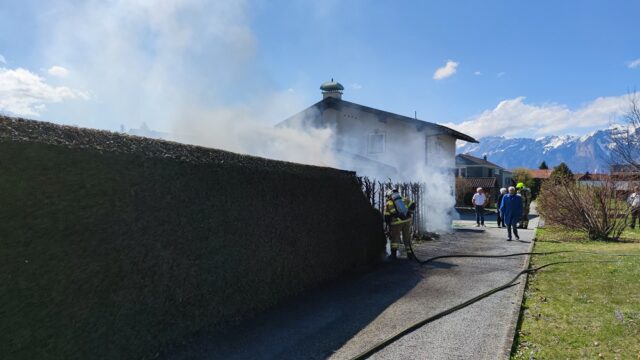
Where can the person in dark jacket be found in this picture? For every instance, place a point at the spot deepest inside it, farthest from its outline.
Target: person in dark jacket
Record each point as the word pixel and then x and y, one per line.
pixel 511 211
pixel 503 192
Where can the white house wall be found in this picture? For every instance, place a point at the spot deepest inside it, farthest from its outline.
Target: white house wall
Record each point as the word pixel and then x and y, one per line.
pixel 404 146
pixel 426 155
pixel 441 151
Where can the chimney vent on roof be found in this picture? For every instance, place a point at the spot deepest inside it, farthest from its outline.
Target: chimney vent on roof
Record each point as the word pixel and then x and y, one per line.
pixel 484 156
pixel 331 89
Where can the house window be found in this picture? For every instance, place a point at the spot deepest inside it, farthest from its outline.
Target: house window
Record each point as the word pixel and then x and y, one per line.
pixel 439 146
pixel 490 172
pixel 434 145
pixel 463 172
pixel 376 143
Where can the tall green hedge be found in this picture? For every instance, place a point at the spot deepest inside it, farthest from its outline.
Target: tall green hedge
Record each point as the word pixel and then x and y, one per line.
pixel 121 255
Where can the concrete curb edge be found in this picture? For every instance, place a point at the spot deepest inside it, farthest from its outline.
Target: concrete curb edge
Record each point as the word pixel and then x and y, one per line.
pixel 505 352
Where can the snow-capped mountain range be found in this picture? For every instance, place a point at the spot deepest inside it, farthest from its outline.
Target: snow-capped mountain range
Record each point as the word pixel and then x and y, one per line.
pixel 581 153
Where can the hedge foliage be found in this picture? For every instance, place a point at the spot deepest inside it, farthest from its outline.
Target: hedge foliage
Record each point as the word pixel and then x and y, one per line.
pixel 107 254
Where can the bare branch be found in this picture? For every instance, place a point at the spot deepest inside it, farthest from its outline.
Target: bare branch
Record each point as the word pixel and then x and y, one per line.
pixel 594 209
pixel 626 141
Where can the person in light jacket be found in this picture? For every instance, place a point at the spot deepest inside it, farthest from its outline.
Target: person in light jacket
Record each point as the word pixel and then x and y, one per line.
pixel 479 201
pixel 511 211
pixel 634 204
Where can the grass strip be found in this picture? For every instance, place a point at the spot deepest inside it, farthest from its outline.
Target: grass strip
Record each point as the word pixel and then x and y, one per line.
pixel 583 311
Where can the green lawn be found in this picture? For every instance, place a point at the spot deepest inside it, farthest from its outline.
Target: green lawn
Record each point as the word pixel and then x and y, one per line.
pixel 581 311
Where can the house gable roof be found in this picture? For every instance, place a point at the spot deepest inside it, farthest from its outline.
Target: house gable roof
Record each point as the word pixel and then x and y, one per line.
pixel 383 116
pixel 466 159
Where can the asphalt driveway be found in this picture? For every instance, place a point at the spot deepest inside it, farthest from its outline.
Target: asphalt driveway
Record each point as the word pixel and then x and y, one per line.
pixel 345 317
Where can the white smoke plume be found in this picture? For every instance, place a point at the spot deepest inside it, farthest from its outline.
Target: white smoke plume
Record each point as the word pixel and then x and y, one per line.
pixel 438 202
pixel 416 156
pixel 184 67
pixel 231 129
pixel 189 68
pixel 436 174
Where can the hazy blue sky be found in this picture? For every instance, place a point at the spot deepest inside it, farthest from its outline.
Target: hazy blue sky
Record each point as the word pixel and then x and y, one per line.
pixel 514 68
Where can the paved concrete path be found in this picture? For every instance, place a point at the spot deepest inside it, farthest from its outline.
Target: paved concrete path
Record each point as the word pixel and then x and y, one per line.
pixel 341 319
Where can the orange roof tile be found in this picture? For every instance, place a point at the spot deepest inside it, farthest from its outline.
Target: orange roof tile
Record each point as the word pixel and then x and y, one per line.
pixel 540 173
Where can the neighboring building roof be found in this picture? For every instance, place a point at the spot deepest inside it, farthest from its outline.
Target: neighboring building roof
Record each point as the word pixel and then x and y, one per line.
pixel 625 176
pixel 591 177
pixel 483 182
pixel 625 185
pixel 466 159
pixel 383 116
pixel 540 173
pixel 623 168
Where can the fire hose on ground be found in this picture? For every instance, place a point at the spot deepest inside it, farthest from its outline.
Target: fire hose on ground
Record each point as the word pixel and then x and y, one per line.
pixel 382 344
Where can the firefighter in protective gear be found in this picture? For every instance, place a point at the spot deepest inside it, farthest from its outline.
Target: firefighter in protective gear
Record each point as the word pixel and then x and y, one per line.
pixel 525 193
pixel 398 215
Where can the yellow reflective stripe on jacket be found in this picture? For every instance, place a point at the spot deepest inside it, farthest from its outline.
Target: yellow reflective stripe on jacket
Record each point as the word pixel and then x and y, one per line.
pixel 389 208
pixel 397 221
pixel 407 202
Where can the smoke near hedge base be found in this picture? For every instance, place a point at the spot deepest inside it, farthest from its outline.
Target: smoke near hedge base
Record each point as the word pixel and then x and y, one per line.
pixel 438 202
pixel 416 157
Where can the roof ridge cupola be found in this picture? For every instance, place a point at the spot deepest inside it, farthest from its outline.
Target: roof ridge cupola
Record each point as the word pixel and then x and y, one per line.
pixel 331 89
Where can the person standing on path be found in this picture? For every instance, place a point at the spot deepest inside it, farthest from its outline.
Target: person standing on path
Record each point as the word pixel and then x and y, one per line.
pixel 511 210
pixel 503 191
pixel 634 203
pixel 398 214
pixel 525 193
pixel 479 201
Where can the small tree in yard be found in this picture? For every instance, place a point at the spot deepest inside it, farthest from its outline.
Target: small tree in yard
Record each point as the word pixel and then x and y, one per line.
pixel 543 165
pixel 593 209
pixel 561 174
pixel 524 176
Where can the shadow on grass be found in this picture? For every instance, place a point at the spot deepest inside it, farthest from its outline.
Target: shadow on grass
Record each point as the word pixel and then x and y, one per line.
pixel 627 241
pixel 312 325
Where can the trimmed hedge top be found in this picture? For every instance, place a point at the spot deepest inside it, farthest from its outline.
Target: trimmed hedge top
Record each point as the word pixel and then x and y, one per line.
pixel 25 130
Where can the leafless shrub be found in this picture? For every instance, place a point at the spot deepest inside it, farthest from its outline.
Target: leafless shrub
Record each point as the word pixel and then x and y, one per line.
pixel 592 208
